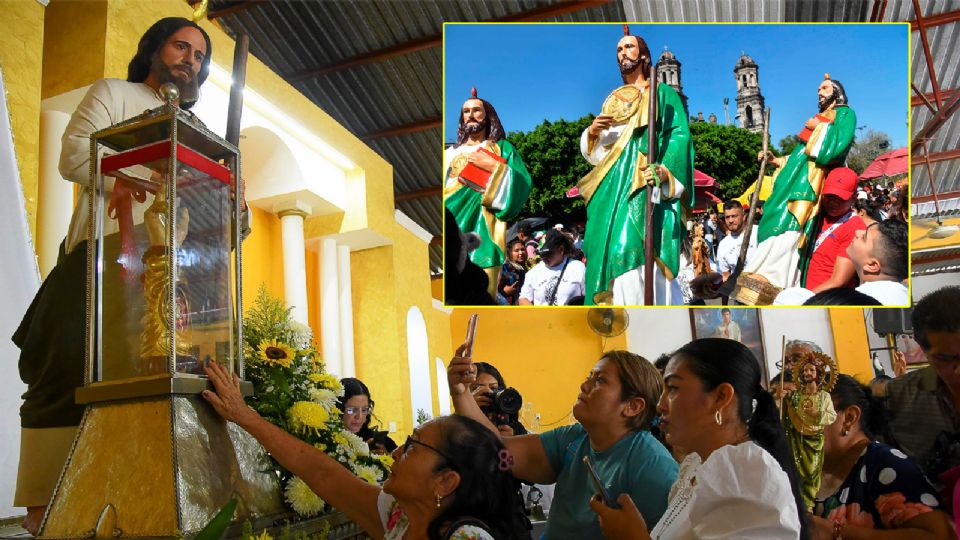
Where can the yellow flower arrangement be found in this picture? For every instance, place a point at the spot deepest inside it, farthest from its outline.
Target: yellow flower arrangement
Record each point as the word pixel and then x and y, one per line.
pixel 327 380
pixel 386 460
pixel 307 415
pixel 303 500
pixel 369 474
pixel 275 353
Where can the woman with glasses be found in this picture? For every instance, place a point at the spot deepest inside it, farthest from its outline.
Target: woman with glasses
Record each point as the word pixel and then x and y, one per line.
pixel 451 478
pixel 614 411
pixel 357 408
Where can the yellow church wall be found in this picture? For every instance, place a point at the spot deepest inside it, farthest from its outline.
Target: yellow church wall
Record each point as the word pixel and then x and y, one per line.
pixel 262 257
pixel 850 343
pixel 377 329
pixel 544 354
pixel 73 53
pixel 436 289
pixel 21 57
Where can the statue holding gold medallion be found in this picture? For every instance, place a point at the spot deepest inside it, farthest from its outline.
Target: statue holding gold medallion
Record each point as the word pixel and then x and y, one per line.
pixel 485 185
pixel 808 410
pixel 615 190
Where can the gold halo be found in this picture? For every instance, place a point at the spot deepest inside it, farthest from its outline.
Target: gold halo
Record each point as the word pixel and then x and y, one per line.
pixel 828 370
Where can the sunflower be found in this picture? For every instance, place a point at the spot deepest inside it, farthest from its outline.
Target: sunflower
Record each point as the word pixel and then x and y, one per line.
pixel 275 353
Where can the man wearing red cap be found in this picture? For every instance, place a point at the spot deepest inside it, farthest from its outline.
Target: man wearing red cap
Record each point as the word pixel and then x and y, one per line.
pixel 787 226
pixel 486 184
pixel 829 266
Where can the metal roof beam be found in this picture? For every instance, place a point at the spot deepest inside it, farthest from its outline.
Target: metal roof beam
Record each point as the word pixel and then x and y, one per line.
pixel 936 122
pixel 936 20
pixel 922 27
pixel 936 156
pixel 922 99
pixel 929 198
pixel 233 8
pixel 428 42
pixel 404 129
pixel 417 194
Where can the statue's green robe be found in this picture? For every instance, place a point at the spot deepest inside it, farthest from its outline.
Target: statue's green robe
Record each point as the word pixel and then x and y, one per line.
pixel 487 213
pixel 789 212
pixel 616 194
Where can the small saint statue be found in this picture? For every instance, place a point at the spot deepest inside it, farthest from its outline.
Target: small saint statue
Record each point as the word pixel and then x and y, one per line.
pixel 809 408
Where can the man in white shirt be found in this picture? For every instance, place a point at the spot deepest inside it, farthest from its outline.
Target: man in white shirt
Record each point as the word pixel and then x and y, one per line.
pixel 729 250
pixel 556 279
pixel 880 255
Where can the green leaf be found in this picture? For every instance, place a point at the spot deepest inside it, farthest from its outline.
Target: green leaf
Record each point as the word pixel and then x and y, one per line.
pixel 214 530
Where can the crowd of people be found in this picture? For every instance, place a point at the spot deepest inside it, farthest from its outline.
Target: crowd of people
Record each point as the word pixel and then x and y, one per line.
pixel 669 445
pixel 860 256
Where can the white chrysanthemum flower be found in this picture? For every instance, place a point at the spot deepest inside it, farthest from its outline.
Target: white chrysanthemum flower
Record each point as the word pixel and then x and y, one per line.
pixel 303 500
pixel 357 446
pixel 368 473
pixel 300 335
pixel 324 397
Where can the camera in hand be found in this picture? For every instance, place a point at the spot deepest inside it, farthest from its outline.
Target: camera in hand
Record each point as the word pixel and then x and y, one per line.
pixel 504 406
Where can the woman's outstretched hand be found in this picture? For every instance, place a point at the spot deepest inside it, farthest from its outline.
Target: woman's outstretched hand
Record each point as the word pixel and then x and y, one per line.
pixel 227 400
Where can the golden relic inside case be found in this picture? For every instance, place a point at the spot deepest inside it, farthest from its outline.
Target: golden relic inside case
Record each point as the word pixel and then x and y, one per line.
pixel 151 457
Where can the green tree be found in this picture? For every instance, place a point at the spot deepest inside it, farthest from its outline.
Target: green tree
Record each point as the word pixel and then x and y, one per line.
pixel 551 153
pixel 866 149
pixel 788 143
pixel 728 154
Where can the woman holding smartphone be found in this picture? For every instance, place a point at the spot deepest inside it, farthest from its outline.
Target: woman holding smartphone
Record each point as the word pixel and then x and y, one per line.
pixel 739 479
pixel 614 411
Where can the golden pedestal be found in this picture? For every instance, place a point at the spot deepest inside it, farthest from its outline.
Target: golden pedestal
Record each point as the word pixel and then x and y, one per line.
pixel 157 467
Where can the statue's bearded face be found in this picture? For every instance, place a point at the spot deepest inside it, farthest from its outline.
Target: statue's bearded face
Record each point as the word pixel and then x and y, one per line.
pixel 628 54
pixel 826 95
pixel 474 116
pixel 809 373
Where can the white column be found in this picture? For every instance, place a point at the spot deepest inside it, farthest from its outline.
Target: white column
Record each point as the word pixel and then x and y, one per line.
pixel 346 311
pixel 330 307
pixel 294 267
pixel 55 197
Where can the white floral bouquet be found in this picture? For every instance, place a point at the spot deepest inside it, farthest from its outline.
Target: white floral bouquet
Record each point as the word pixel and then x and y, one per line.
pixel 293 391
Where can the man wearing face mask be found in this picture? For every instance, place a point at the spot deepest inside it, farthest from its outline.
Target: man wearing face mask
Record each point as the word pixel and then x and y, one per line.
pixel 615 190
pixel 52 335
pixel 788 218
pixel 486 184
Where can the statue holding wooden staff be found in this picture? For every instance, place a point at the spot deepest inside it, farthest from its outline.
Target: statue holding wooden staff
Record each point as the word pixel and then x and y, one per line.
pixel 628 144
pixel 809 409
pixel 784 234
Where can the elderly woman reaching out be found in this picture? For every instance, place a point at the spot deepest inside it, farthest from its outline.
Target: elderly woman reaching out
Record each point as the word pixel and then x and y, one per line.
pixel 446 482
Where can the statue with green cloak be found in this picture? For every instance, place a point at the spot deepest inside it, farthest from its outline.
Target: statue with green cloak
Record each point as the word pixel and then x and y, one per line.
pixel 789 213
pixel 486 184
pixel 615 190
pixel 809 409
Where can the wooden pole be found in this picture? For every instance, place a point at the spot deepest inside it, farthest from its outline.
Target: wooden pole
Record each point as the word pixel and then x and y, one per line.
pixel 648 232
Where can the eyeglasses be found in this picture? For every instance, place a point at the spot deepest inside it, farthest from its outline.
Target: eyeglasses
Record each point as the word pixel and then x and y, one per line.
pixel 357 410
pixel 411 441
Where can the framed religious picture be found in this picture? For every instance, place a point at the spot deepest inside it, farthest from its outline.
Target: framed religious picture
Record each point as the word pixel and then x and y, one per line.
pixel 912 353
pixel 739 324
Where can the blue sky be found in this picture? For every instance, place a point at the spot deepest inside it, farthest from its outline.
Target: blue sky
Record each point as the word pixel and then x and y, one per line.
pixel 533 72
